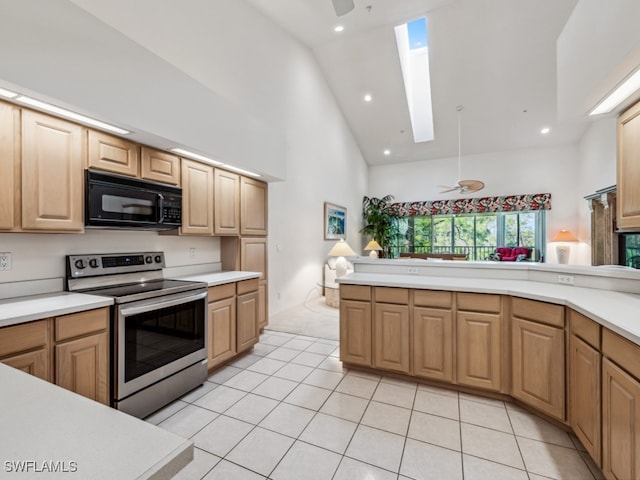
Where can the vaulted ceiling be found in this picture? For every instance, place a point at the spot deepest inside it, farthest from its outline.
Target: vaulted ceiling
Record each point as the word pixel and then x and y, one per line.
pixel 496 58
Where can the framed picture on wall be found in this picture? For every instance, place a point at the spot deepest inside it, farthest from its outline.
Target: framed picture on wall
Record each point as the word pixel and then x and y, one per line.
pixel 335 221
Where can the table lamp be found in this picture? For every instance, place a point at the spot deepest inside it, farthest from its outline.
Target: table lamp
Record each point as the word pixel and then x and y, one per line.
pixel 564 251
pixel 341 249
pixel 374 247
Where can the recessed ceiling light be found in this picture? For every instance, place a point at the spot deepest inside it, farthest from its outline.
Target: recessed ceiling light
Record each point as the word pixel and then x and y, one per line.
pixel 368 97
pixel 338 28
pixel 387 152
pixel 47 107
pixel 197 156
pixel 545 130
pixel 7 94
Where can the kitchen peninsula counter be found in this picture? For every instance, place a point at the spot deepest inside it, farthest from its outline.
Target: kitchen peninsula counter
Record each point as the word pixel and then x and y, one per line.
pixel 51 427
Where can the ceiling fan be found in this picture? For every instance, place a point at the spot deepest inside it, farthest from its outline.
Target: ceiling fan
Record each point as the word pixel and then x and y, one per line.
pixel 462 186
pixel 342 7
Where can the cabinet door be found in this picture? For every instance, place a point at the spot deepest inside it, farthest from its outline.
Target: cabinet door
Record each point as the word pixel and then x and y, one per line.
pixel 263 299
pixel 35 363
pixel 197 198
pixel 628 169
pixel 9 149
pixel 253 211
pixel 226 203
pixel 253 256
pixel 159 166
pixel 433 343
pixel 620 423
pixel 538 366
pixel 584 401
pixel 113 154
pixel 82 366
pixel 355 332
pixel 247 321
pixel 391 337
pixel 222 331
pixel 479 350
pixel 53 159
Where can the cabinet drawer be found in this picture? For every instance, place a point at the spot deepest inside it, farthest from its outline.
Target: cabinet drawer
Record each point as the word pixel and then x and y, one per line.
pixel 82 323
pixel 585 328
pixel 478 302
pixel 432 298
pixel 538 311
pixel 25 336
pixel 221 291
pixel 355 292
pixel 247 286
pixel 622 351
pixel 392 295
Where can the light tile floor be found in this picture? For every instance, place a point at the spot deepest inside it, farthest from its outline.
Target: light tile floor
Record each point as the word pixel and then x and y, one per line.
pixel 289 411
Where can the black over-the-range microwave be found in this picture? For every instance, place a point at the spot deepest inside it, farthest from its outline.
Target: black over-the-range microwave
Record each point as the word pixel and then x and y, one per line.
pixel 115 201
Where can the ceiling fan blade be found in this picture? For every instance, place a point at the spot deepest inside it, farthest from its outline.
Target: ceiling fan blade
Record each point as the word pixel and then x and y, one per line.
pixel 342 7
pixel 449 189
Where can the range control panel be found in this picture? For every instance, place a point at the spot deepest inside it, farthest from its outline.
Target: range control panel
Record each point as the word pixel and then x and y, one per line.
pixel 92 265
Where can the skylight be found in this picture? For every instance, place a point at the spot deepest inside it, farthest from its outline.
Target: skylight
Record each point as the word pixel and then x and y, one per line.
pixel 413 50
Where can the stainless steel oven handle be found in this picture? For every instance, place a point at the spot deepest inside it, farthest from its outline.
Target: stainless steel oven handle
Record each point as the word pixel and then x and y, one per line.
pixel 158 303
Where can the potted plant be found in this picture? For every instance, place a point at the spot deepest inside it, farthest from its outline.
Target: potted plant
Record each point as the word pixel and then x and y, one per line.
pixel 377 221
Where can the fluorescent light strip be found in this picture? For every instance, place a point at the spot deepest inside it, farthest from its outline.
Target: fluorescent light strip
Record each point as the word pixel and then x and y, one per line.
pixel 197 156
pixel 72 115
pixel 620 94
pixel 240 170
pixel 7 93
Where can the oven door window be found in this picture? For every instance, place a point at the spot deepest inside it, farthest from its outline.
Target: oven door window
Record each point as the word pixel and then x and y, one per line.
pixel 159 337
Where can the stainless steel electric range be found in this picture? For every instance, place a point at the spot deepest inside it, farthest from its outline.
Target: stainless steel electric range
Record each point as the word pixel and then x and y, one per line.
pixel 158 327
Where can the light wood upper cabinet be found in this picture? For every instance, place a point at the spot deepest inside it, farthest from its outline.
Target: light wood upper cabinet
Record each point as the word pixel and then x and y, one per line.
pixel 433 343
pixel 9 165
pixel 253 256
pixel 226 203
pixel 113 154
pixel 53 159
pixel 253 207
pixel 197 198
pixel 628 169
pixel 159 166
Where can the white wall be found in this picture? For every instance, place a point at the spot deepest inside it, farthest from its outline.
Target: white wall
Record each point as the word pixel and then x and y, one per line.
pixel 541 170
pixel 225 80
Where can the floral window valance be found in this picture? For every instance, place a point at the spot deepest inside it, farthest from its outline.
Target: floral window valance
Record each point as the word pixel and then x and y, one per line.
pixel 509 203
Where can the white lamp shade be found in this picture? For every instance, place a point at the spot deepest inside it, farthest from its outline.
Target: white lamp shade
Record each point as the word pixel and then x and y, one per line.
pixel 341 249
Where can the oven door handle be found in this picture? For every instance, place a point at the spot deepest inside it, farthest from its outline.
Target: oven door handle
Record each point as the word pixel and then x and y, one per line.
pixel 157 304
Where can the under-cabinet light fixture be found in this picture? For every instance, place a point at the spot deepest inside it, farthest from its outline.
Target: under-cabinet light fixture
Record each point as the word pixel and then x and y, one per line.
pixel 7 93
pixel 240 170
pixel 619 95
pixel 71 115
pixel 196 156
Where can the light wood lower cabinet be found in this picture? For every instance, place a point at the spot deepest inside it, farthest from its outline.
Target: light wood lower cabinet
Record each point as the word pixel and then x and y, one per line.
pixel 34 363
pixel 433 343
pixel 620 423
pixel 247 320
pixel 391 337
pixel 27 347
pixel 355 332
pixel 222 330
pixel 479 350
pixel 538 366
pixel 584 395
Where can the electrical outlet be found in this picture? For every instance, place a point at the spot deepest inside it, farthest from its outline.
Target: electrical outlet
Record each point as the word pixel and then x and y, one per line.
pixel 192 253
pixel 412 270
pixel 566 279
pixel 5 261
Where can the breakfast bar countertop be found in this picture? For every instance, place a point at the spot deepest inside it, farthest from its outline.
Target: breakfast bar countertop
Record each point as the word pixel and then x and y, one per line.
pixel 45 427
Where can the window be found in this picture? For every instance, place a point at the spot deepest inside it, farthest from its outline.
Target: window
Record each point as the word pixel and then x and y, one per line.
pixel 476 235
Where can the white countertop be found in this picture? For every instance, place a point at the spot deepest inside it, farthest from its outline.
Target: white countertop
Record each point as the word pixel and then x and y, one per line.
pixel 41 422
pixel 220 278
pixel 614 310
pixel 35 307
